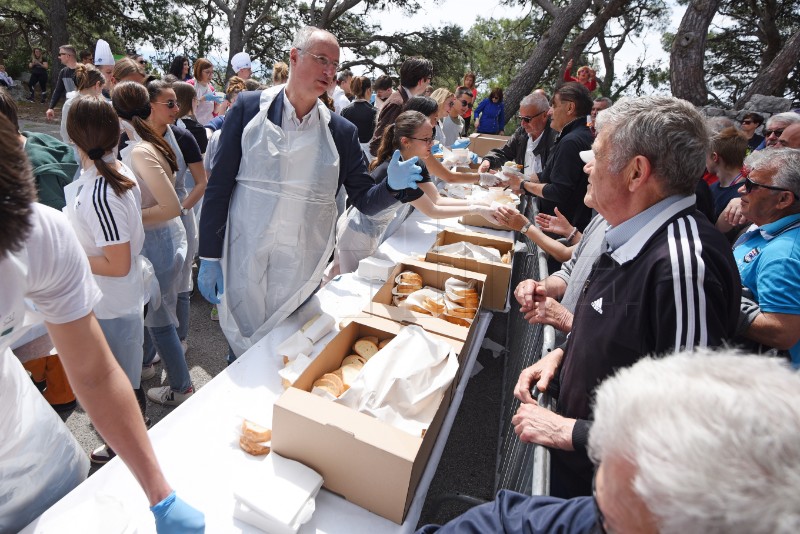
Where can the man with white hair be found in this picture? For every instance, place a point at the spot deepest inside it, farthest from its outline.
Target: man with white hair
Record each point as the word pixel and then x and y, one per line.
pixel 690 443
pixel 790 138
pixel 242 66
pixel 269 214
pixel 769 256
pixel 664 282
pixel 777 124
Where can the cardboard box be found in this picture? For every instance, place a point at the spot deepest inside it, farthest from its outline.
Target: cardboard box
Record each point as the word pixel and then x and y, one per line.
pixel 473 219
pixel 498 274
pixel 433 275
pixel 366 461
pixel 481 144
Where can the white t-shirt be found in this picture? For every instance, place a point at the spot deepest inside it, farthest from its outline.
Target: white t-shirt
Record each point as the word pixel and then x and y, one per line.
pixel 340 100
pixel 40 458
pixel 106 218
pixel 451 130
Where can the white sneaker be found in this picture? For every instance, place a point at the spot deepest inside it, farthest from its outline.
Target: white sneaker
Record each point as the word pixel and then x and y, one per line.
pixel 164 395
pixel 148 372
pixel 185 345
pixel 157 358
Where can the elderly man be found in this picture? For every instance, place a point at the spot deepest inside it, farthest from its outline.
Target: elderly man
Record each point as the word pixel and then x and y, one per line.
pixel 769 256
pixel 670 460
pixel 342 90
pixel 531 143
pixel 665 281
pixel 562 183
pixel 790 138
pixel 776 125
pixel 242 66
pixel 270 212
pixel 415 76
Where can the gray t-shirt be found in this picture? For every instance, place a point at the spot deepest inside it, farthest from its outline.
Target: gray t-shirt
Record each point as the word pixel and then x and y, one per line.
pixel 451 130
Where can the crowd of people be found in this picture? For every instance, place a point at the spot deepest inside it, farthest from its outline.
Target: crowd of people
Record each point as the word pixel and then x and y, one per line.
pixel 668 234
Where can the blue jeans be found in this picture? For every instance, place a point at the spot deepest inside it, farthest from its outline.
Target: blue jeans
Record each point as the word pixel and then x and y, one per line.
pixel 182 311
pixel 164 339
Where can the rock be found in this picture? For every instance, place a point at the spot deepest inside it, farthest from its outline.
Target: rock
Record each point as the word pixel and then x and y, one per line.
pixel 19 91
pixel 710 111
pixel 768 104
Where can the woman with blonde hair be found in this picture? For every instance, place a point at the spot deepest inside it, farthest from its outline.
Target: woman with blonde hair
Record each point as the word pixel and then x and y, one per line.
pixel 154 163
pixel 127 70
pixel 88 82
pixel 280 73
pixel 445 99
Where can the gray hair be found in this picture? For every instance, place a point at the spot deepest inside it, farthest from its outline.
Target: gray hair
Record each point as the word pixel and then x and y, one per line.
pixel 604 99
pixel 717 124
pixel 713 437
pixel 304 36
pixel 787 118
pixel 668 131
pixel 782 163
pixel 537 100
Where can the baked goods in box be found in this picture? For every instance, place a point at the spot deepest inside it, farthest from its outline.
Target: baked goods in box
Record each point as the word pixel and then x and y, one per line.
pixel 427 300
pixel 332 385
pixel 365 348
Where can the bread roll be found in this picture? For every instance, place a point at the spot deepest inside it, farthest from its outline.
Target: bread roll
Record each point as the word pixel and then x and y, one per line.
pixel 365 348
pixel 354 359
pixel 335 379
pixel 409 277
pixel 349 374
pixel 435 306
pixel 384 343
pixel 374 339
pixel 255 433
pixel 405 289
pixel 465 313
pixel 456 320
pixel 256 449
pixel 327 385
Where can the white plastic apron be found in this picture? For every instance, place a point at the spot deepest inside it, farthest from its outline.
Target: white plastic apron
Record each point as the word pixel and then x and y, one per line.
pixel 40 460
pixel 165 246
pixel 122 295
pixel 189 220
pixel 281 224
pixel 359 235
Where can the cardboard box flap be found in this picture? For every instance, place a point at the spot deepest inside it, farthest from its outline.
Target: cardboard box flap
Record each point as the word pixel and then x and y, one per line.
pixel 448 237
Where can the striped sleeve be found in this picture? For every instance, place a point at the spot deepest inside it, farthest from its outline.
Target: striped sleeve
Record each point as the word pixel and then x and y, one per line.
pixel 109 217
pixel 688 311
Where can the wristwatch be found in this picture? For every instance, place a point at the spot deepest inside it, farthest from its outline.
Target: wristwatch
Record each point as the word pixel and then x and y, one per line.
pixel 184 211
pixel 526 227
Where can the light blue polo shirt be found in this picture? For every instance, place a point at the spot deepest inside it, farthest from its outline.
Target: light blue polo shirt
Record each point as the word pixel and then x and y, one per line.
pixel 769 263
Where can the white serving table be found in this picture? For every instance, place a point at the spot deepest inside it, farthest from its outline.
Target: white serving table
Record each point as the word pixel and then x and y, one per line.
pixel 197 444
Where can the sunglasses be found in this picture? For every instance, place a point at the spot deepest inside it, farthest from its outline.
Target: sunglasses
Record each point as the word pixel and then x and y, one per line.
pixel 526 120
pixel 426 140
pixel 747 121
pixel 171 104
pixel 777 133
pixel 467 104
pixel 749 185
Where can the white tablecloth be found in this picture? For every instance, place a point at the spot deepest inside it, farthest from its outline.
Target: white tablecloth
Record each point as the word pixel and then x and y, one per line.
pixel 197 444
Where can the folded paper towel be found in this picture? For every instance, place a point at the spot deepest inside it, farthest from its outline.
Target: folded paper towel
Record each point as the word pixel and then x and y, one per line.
pixel 278 496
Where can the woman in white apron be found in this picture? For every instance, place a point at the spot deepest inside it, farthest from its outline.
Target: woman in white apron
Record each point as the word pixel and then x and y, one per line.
pixel 88 82
pixel 359 235
pixel 154 164
pixel 165 111
pixel 104 207
pixel 274 257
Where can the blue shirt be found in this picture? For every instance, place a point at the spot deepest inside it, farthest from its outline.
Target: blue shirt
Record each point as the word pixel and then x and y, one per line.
pixel 769 263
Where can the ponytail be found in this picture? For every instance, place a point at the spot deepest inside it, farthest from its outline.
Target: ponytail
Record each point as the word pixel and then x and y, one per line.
pixel 386 148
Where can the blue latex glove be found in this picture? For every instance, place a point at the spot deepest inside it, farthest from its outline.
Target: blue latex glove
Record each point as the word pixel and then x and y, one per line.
pixel 214 97
pixel 175 516
pixel 461 143
pixel 473 157
pixel 209 278
pixel 372 99
pixel 436 149
pixel 402 174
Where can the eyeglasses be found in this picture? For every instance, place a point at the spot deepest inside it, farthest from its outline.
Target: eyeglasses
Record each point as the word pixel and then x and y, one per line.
pixel 426 140
pixel 322 60
pixel 749 185
pixel 600 520
pixel 777 133
pixel 526 120
pixel 467 104
pixel 171 104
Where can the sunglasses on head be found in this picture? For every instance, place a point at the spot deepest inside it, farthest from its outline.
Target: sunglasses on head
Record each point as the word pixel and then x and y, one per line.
pixel 467 104
pixel 171 104
pixel 749 185
pixel 777 132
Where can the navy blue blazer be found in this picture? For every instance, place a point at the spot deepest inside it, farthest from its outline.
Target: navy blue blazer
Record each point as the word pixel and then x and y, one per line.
pixel 362 191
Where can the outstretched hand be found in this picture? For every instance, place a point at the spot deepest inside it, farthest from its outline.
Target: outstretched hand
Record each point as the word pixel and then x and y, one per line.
pixel 403 174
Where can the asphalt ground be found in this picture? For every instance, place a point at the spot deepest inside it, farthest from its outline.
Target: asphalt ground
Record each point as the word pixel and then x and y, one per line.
pixel 467 466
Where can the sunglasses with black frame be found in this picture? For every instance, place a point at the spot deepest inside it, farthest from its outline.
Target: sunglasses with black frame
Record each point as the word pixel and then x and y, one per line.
pixel 749 185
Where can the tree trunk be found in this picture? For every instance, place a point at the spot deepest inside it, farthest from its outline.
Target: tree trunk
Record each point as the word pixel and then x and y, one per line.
pixel 611 9
pixel 687 75
pixel 56 13
pixel 546 49
pixel 774 76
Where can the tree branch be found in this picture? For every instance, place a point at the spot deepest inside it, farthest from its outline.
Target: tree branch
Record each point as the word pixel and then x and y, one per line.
pixel 224 8
pixel 548 6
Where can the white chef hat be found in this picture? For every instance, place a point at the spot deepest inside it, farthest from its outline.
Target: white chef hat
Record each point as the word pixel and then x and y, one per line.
pixel 102 54
pixel 240 61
